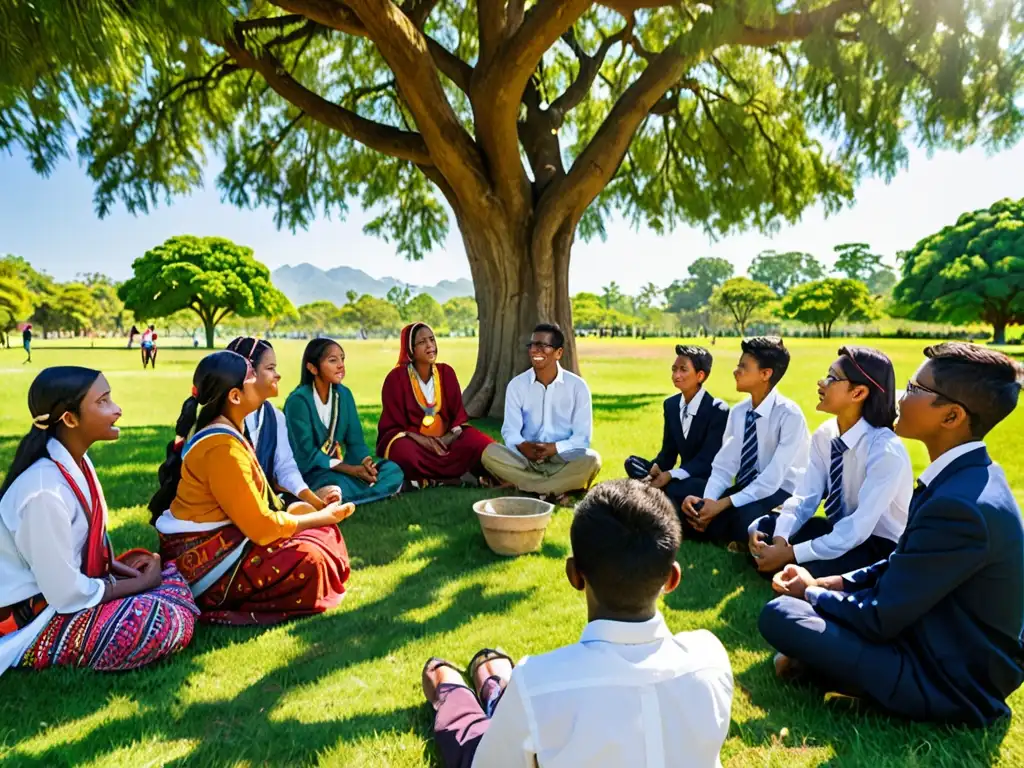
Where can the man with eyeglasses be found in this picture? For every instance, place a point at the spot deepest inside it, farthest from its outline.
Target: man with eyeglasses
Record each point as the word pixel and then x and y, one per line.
pixel 933 632
pixel 547 427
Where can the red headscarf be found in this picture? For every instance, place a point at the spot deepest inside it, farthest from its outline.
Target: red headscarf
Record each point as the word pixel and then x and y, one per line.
pixel 408 340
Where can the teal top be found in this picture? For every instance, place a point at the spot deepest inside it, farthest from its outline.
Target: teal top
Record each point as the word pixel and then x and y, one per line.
pixel 307 433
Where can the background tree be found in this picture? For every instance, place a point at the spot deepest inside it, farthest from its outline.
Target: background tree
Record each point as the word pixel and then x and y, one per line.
pixel 460 314
pixel 111 315
pixel 372 316
pixel 782 271
pixel 611 295
pixel 823 302
pixel 971 271
pixel 319 317
pixel 741 297
pixel 400 296
pixel 856 261
pixel 15 302
pixel 351 296
pixel 212 276
pixel 706 274
pixel 882 281
pixel 533 121
pixel 424 308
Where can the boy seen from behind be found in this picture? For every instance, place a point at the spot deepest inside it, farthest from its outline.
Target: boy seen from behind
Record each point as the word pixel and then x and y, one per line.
pixel 629 693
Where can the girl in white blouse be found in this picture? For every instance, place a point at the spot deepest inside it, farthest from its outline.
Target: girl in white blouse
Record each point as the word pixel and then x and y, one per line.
pixel 64 598
pixel 859 469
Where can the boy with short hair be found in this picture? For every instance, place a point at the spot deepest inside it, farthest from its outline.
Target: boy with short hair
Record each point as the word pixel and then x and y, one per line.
pixel 934 631
pixel 547 427
pixel 629 693
pixel 694 423
pixel 763 455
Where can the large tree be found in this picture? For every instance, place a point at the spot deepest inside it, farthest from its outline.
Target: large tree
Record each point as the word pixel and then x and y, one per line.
pixel 782 271
pixel 741 297
pixel 212 276
pixel 533 119
pixel 706 274
pixel 970 271
pixel 823 302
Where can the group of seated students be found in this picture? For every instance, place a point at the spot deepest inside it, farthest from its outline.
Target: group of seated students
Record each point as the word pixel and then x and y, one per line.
pixel 910 597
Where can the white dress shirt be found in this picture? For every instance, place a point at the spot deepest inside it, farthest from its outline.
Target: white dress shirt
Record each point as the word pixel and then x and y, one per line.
pixel 926 478
pixel 559 413
pixel 782 446
pixel 627 694
pixel 686 413
pixel 43 532
pixel 286 471
pixel 323 410
pixel 878 481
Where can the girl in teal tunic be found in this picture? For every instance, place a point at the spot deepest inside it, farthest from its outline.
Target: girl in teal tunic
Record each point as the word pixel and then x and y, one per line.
pixel 325 433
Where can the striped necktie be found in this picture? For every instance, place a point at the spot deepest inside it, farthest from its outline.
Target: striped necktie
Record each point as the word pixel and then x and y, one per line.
pixel 748 456
pixel 835 510
pixel 684 419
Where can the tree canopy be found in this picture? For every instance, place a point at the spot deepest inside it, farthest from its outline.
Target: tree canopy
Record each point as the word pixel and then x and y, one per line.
pixel 460 314
pixel 211 276
pixel 533 121
pixel 741 297
pixel 706 274
pixel 822 302
pixel 424 308
pixel 782 271
pixel 969 271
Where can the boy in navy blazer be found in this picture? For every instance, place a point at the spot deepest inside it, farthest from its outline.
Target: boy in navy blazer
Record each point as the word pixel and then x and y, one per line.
pixel 933 632
pixel 694 425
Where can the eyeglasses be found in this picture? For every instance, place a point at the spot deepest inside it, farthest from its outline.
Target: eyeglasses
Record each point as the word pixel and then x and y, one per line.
pixel 913 388
pixel 540 345
pixel 831 379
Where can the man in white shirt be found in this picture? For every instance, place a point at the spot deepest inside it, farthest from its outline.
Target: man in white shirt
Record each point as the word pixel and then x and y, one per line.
pixel 764 454
pixel 547 427
pixel 630 693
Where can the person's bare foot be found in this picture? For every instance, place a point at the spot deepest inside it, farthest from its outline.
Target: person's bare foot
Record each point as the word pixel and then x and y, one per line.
pixel 437 672
pixel 787 668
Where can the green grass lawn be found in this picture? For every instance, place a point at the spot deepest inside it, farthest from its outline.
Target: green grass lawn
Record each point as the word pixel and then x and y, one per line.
pixel 343 689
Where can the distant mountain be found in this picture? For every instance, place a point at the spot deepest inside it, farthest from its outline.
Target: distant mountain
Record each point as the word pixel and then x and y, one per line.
pixel 305 283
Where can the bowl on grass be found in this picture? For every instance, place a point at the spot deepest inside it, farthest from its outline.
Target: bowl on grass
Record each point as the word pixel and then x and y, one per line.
pixel 513 525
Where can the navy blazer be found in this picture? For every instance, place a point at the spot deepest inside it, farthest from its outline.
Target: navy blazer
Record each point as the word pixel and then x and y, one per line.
pixel 697 450
pixel 952 593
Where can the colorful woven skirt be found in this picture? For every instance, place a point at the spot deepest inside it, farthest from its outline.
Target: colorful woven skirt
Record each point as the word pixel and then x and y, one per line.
pixel 122 634
pixel 298 576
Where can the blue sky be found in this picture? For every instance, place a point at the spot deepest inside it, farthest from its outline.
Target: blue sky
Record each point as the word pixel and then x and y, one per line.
pixel 51 222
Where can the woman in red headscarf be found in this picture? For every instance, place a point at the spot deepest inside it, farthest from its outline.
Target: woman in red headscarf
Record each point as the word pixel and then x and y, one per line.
pixel 424 427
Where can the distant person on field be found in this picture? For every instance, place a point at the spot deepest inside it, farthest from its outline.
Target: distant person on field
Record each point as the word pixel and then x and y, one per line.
pixel 26 341
pixel 934 631
pixel 65 599
pixel 764 453
pixel 858 467
pixel 149 347
pixel 195 340
pixel 629 694
pixel 694 423
pixel 131 336
pixel 548 424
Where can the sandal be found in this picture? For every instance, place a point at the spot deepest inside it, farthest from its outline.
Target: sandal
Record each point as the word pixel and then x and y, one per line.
pixel 432 665
pixel 482 657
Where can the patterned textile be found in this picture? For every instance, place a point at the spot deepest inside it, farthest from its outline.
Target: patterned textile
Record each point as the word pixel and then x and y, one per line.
pixel 835 509
pixel 122 634
pixel 748 456
pixel 298 576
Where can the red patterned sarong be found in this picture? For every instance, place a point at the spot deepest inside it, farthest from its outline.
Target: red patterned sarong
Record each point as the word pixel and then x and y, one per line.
pixel 298 576
pixel 119 635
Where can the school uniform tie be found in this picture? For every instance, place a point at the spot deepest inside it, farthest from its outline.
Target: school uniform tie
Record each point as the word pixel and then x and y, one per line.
pixel 835 509
pixel 748 456
pixel 686 421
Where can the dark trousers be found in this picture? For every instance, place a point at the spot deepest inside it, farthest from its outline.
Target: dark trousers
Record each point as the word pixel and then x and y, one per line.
pixel 732 524
pixel 840 659
pixel 461 721
pixel 677 490
pixel 866 553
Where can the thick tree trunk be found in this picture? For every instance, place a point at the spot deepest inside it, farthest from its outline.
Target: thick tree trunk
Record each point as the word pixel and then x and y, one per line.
pixel 210 330
pixel 520 280
pixel 999 332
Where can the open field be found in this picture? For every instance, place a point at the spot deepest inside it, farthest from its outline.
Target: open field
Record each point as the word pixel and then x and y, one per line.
pixel 343 689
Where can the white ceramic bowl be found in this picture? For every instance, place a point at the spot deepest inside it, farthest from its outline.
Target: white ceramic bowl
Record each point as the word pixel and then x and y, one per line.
pixel 513 525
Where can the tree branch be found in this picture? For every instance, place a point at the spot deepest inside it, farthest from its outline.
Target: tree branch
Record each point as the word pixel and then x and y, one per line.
pixel 404 48
pixel 382 138
pixel 339 16
pixel 796 26
pixel 589 67
pixel 491 22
